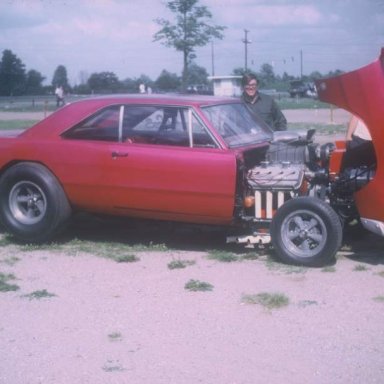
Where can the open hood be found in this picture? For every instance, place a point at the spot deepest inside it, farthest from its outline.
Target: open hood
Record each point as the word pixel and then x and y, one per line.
pixel 362 93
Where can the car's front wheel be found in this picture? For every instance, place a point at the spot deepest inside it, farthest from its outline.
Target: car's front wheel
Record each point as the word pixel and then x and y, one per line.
pixel 306 231
pixel 33 205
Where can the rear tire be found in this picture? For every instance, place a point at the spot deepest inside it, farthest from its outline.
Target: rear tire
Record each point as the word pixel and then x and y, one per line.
pixel 306 231
pixel 33 205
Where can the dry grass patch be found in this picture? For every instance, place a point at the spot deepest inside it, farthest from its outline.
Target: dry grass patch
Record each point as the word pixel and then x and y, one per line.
pixel 267 300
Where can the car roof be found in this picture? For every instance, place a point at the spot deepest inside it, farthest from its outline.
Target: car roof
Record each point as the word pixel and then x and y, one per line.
pixel 76 111
pixel 167 98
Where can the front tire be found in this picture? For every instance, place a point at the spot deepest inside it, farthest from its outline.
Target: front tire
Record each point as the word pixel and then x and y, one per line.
pixel 33 205
pixel 306 231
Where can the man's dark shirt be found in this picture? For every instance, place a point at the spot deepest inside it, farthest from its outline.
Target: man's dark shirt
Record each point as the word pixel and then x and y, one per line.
pixel 266 107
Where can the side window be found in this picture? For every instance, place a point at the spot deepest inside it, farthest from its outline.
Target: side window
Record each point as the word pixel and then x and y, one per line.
pixel 161 125
pixel 103 126
pixel 200 135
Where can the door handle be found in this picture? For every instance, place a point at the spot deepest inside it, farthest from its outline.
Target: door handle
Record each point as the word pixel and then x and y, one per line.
pixel 119 154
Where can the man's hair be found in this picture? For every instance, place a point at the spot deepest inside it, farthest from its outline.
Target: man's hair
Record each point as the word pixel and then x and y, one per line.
pixel 247 77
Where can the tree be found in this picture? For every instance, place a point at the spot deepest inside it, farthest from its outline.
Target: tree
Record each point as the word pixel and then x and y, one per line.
pixel 103 82
pixel 189 30
pixel 197 74
pixel 12 74
pixel 240 71
pixel 266 75
pixel 34 82
pixel 143 79
pixel 130 85
pixel 60 77
pixel 167 81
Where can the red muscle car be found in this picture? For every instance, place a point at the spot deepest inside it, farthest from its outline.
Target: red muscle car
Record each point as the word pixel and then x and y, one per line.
pixel 198 159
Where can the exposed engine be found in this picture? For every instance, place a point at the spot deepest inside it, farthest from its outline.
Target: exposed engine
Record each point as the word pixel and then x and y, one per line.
pixel 296 195
pixel 296 166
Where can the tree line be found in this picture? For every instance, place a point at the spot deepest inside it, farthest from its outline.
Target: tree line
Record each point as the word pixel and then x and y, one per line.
pixel 15 80
pixel 190 28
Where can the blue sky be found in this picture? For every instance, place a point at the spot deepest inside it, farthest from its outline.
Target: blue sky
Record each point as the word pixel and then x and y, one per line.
pixel 88 36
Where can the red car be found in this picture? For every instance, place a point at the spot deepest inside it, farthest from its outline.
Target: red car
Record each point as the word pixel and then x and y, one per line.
pixel 202 160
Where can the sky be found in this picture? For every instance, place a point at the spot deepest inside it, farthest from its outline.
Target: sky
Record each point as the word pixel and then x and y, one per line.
pixel 92 36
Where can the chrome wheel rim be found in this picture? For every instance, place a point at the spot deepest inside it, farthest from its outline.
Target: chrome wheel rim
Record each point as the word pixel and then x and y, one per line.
pixel 304 233
pixel 27 202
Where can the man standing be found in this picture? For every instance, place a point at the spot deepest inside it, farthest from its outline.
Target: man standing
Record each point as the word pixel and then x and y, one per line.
pixel 59 92
pixel 262 105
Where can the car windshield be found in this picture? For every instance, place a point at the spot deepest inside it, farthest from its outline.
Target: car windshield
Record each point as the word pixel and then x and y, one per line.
pixel 237 125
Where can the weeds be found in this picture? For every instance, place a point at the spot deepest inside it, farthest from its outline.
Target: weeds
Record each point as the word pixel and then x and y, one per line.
pixel 37 295
pixel 126 258
pixel 5 286
pixel 223 256
pixel 267 300
pixel 115 336
pixel 379 299
pixel 360 267
pixel 328 269
pixel 113 366
pixel 110 250
pixel 307 303
pixel 12 260
pixel 179 264
pixel 196 285
pixel 285 268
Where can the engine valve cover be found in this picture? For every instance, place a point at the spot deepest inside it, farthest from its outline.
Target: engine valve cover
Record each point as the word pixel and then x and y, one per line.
pixel 276 176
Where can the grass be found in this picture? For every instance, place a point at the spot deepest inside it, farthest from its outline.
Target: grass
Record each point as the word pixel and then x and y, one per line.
pixel 126 258
pixel 325 129
pixel 273 265
pixel 360 268
pixel 381 273
pixel 119 252
pixel 11 260
pixel 115 336
pixel 16 124
pixel 223 256
pixel 196 285
pixel 267 300
pixel 328 269
pixel 301 103
pixel 307 303
pixel 37 295
pixel 4 283
pixel 179 264
pixel 379 299
pixel 113 366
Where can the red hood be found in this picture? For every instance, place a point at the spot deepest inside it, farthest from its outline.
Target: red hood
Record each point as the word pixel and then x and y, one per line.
pixel 362 93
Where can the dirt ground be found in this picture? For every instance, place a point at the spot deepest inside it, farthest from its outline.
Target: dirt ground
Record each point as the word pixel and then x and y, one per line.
pixel 110 322
pixel 136 323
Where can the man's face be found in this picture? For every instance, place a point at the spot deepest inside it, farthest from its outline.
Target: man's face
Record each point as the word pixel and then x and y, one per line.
pixel 251 88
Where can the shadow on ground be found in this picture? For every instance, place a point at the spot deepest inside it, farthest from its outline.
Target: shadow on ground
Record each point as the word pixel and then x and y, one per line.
pixel 365 247
pixel 180 236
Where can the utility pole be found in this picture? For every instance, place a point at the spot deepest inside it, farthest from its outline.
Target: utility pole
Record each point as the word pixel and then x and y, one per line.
pixel 301 64
pixel 213 58
pixel 246 42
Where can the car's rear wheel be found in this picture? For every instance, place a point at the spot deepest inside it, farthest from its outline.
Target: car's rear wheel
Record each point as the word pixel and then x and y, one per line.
pixel 306 231
pixel 33 205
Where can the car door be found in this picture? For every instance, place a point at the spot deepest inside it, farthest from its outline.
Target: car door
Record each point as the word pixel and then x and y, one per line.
pixel 168 166
pixel 149 161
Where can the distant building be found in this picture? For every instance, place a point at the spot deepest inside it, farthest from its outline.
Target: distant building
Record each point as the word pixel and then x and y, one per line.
pixel 226 85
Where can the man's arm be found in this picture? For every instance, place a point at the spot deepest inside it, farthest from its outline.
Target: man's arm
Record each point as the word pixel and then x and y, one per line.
pixel 279 120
